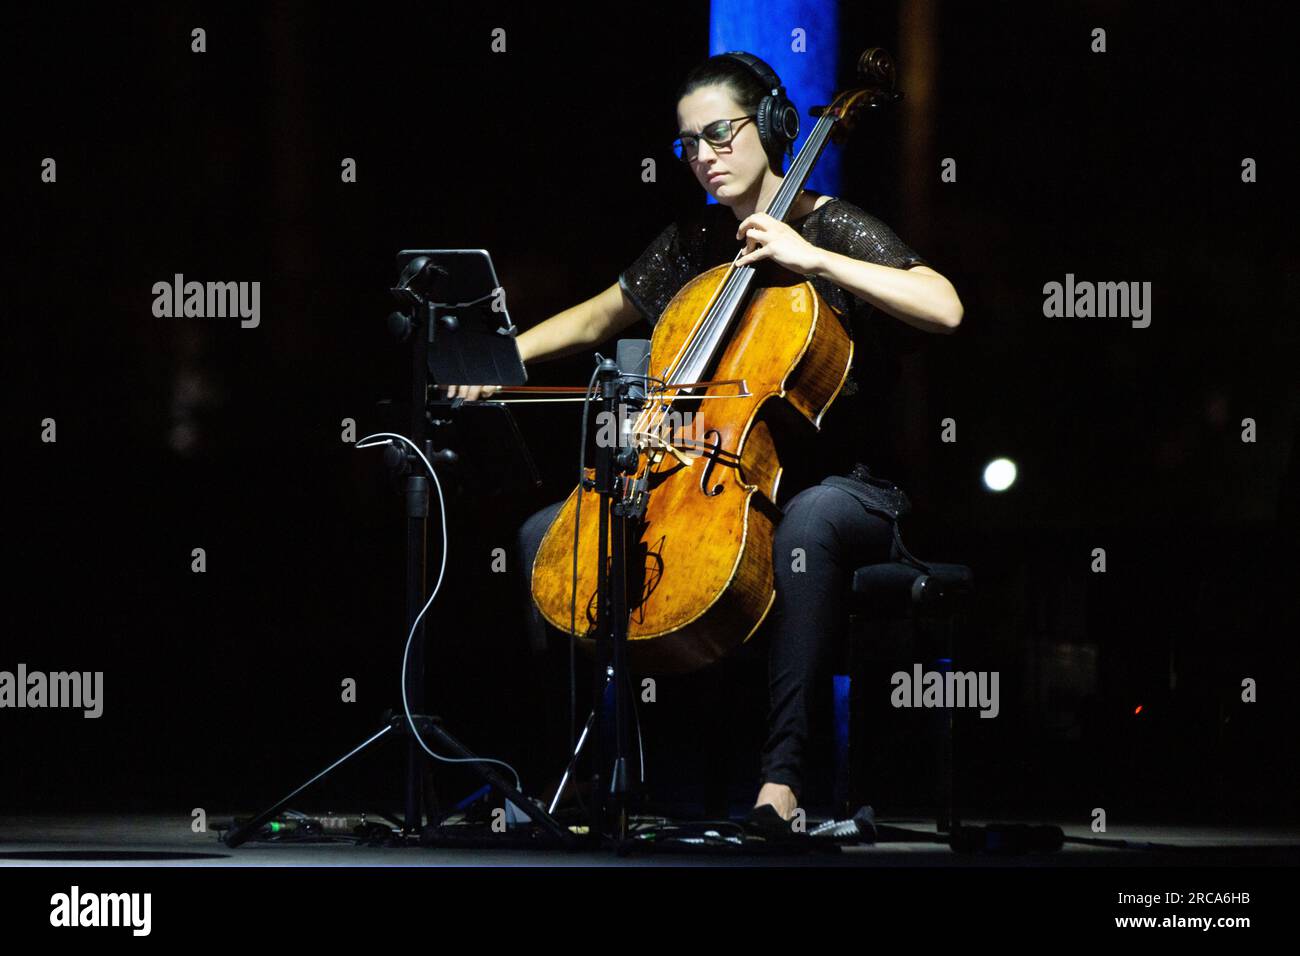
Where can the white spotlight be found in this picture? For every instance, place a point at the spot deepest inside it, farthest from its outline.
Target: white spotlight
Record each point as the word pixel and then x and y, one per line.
pixel 999 474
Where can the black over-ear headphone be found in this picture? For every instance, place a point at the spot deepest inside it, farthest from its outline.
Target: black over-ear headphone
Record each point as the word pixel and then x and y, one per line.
pixel 778 120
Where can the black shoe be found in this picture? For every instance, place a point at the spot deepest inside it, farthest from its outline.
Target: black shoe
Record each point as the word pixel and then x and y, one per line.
pixel 767 823
pixel 861 828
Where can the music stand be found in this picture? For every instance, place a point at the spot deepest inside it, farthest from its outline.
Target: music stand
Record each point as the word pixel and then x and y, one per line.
pixel 454 299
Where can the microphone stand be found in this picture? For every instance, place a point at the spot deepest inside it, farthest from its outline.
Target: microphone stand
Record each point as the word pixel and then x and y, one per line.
pixel 622 505
pixel 622 502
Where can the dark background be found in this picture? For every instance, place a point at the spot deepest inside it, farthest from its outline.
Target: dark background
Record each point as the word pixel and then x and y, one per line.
pixel 222 688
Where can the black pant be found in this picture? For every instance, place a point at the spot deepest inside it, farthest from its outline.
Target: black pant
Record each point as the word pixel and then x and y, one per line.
pixel 826 533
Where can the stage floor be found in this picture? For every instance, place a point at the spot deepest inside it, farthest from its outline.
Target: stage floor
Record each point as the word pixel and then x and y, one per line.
pixel 160 840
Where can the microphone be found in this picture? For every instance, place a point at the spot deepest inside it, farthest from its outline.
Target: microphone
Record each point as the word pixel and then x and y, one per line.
pixel 633 359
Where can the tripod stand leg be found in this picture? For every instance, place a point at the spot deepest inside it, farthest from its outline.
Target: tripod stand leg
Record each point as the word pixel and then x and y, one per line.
pixel 577 752
pixel 240 834
pixel 582 740
pixel 544 820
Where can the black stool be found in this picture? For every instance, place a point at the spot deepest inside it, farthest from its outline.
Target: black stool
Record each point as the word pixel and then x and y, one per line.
pixel 932 603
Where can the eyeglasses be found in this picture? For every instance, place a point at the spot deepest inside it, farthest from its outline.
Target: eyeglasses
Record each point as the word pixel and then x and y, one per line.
pixel 718 133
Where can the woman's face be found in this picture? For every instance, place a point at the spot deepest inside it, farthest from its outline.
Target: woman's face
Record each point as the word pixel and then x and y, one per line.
pixel 727 172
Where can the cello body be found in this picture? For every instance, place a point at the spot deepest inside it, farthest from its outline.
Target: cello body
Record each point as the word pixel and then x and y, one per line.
pixel 699 566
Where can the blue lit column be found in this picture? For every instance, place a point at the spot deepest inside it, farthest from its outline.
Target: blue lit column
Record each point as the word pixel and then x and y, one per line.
pixel 768 32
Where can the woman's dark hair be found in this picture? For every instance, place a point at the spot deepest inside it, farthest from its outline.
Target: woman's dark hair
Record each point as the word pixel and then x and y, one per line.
pixel 745 86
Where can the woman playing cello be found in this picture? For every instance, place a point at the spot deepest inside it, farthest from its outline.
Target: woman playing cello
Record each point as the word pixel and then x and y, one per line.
pixel 860 267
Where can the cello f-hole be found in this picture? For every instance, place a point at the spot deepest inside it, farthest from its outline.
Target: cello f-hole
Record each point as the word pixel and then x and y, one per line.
pixel 715 438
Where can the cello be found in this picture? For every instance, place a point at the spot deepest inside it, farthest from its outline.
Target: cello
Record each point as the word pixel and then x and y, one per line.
pixel 699 578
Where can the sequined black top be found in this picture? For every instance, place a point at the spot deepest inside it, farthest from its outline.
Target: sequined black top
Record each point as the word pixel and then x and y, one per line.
pixel 850 435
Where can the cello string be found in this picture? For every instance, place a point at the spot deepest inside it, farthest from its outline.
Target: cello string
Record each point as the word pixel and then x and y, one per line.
pixel 734 284
pixel 718 312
